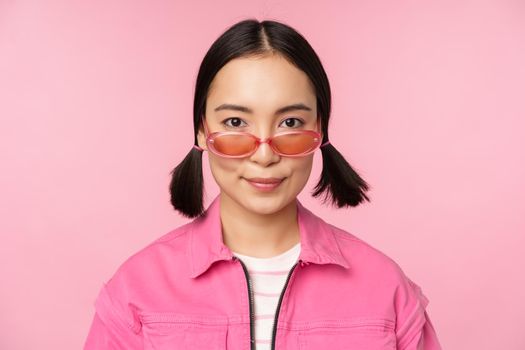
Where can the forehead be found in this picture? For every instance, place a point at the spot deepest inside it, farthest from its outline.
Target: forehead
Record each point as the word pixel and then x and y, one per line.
pixel 261 83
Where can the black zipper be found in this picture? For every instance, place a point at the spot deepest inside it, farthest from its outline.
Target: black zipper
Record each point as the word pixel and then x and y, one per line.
pixel 279 305
pixel 252 322
pixel 249 282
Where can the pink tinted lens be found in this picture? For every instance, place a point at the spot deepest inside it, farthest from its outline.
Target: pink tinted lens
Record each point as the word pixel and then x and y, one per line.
pixel 233 145
pixel 296 143
pixel 287 144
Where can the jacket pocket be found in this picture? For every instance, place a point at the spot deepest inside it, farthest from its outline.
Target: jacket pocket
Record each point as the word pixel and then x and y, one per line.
pixel 354 334
pixel 163 331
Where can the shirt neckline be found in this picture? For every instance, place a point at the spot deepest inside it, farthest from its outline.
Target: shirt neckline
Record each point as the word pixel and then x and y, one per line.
pixel 293 250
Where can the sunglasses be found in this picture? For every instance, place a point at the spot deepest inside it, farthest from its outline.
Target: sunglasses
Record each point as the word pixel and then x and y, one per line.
pixel 239 144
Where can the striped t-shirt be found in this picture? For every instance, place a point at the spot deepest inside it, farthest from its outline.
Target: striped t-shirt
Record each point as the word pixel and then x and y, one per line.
pixel 268 276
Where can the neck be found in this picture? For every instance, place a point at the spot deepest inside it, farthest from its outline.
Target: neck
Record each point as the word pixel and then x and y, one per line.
pixel 255 234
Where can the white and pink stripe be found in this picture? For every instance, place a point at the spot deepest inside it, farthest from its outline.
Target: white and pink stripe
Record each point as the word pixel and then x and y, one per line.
pixel 268 277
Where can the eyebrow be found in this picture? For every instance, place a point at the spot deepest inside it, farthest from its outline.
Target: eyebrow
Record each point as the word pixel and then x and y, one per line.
pixel 285 109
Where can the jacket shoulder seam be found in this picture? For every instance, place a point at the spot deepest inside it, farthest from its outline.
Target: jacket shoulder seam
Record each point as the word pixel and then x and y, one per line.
pixel 349 237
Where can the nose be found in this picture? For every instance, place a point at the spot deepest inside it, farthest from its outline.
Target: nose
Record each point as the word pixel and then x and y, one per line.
pixel 264 154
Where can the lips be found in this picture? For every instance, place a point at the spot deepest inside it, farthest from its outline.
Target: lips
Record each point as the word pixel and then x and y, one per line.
pixel 265 180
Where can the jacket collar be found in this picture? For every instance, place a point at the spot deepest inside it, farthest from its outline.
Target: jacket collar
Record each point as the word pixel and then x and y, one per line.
pixel 206 245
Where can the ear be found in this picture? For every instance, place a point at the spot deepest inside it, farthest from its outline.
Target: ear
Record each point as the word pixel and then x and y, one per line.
pixel 201 138
pixel 319 128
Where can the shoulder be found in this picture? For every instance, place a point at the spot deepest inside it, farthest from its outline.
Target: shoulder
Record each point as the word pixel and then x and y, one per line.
pixel 134 279
pixel 363 255
pixel 372 264
pixel 165 254
pixel 377 268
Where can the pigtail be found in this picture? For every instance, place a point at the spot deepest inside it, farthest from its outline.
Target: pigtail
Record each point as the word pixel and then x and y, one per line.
pixel 339 180
pixel 187 185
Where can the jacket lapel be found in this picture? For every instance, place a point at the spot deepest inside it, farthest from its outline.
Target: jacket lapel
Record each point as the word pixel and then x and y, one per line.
pixel 206 246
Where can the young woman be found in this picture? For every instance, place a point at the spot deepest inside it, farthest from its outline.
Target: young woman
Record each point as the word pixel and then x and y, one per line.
pixel 257 269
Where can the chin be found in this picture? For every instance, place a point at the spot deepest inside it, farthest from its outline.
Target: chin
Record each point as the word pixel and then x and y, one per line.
pixel 266 205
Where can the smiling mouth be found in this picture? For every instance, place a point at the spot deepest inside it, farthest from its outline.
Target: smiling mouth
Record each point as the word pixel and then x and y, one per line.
pixel 269 186
pixel 269 180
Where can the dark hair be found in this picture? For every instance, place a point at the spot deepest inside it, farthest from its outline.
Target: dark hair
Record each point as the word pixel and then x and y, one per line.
pixel 253 38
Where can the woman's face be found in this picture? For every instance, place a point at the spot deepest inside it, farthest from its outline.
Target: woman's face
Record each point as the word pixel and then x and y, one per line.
pixel 262 85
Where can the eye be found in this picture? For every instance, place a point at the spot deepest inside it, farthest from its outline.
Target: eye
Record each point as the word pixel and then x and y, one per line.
pixel 290 122
pixel 236 122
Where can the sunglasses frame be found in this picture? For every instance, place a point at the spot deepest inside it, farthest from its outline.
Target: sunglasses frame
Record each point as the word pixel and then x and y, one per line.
pixel 258 141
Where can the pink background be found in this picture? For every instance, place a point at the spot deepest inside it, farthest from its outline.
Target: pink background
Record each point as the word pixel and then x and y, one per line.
pixel 96 109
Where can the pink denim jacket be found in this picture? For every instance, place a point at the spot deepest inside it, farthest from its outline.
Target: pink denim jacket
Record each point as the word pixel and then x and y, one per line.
pixel 186 290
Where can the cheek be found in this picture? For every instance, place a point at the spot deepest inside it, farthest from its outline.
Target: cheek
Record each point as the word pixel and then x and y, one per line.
pixel 224 170
pixel 302 168
pixel 304 163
